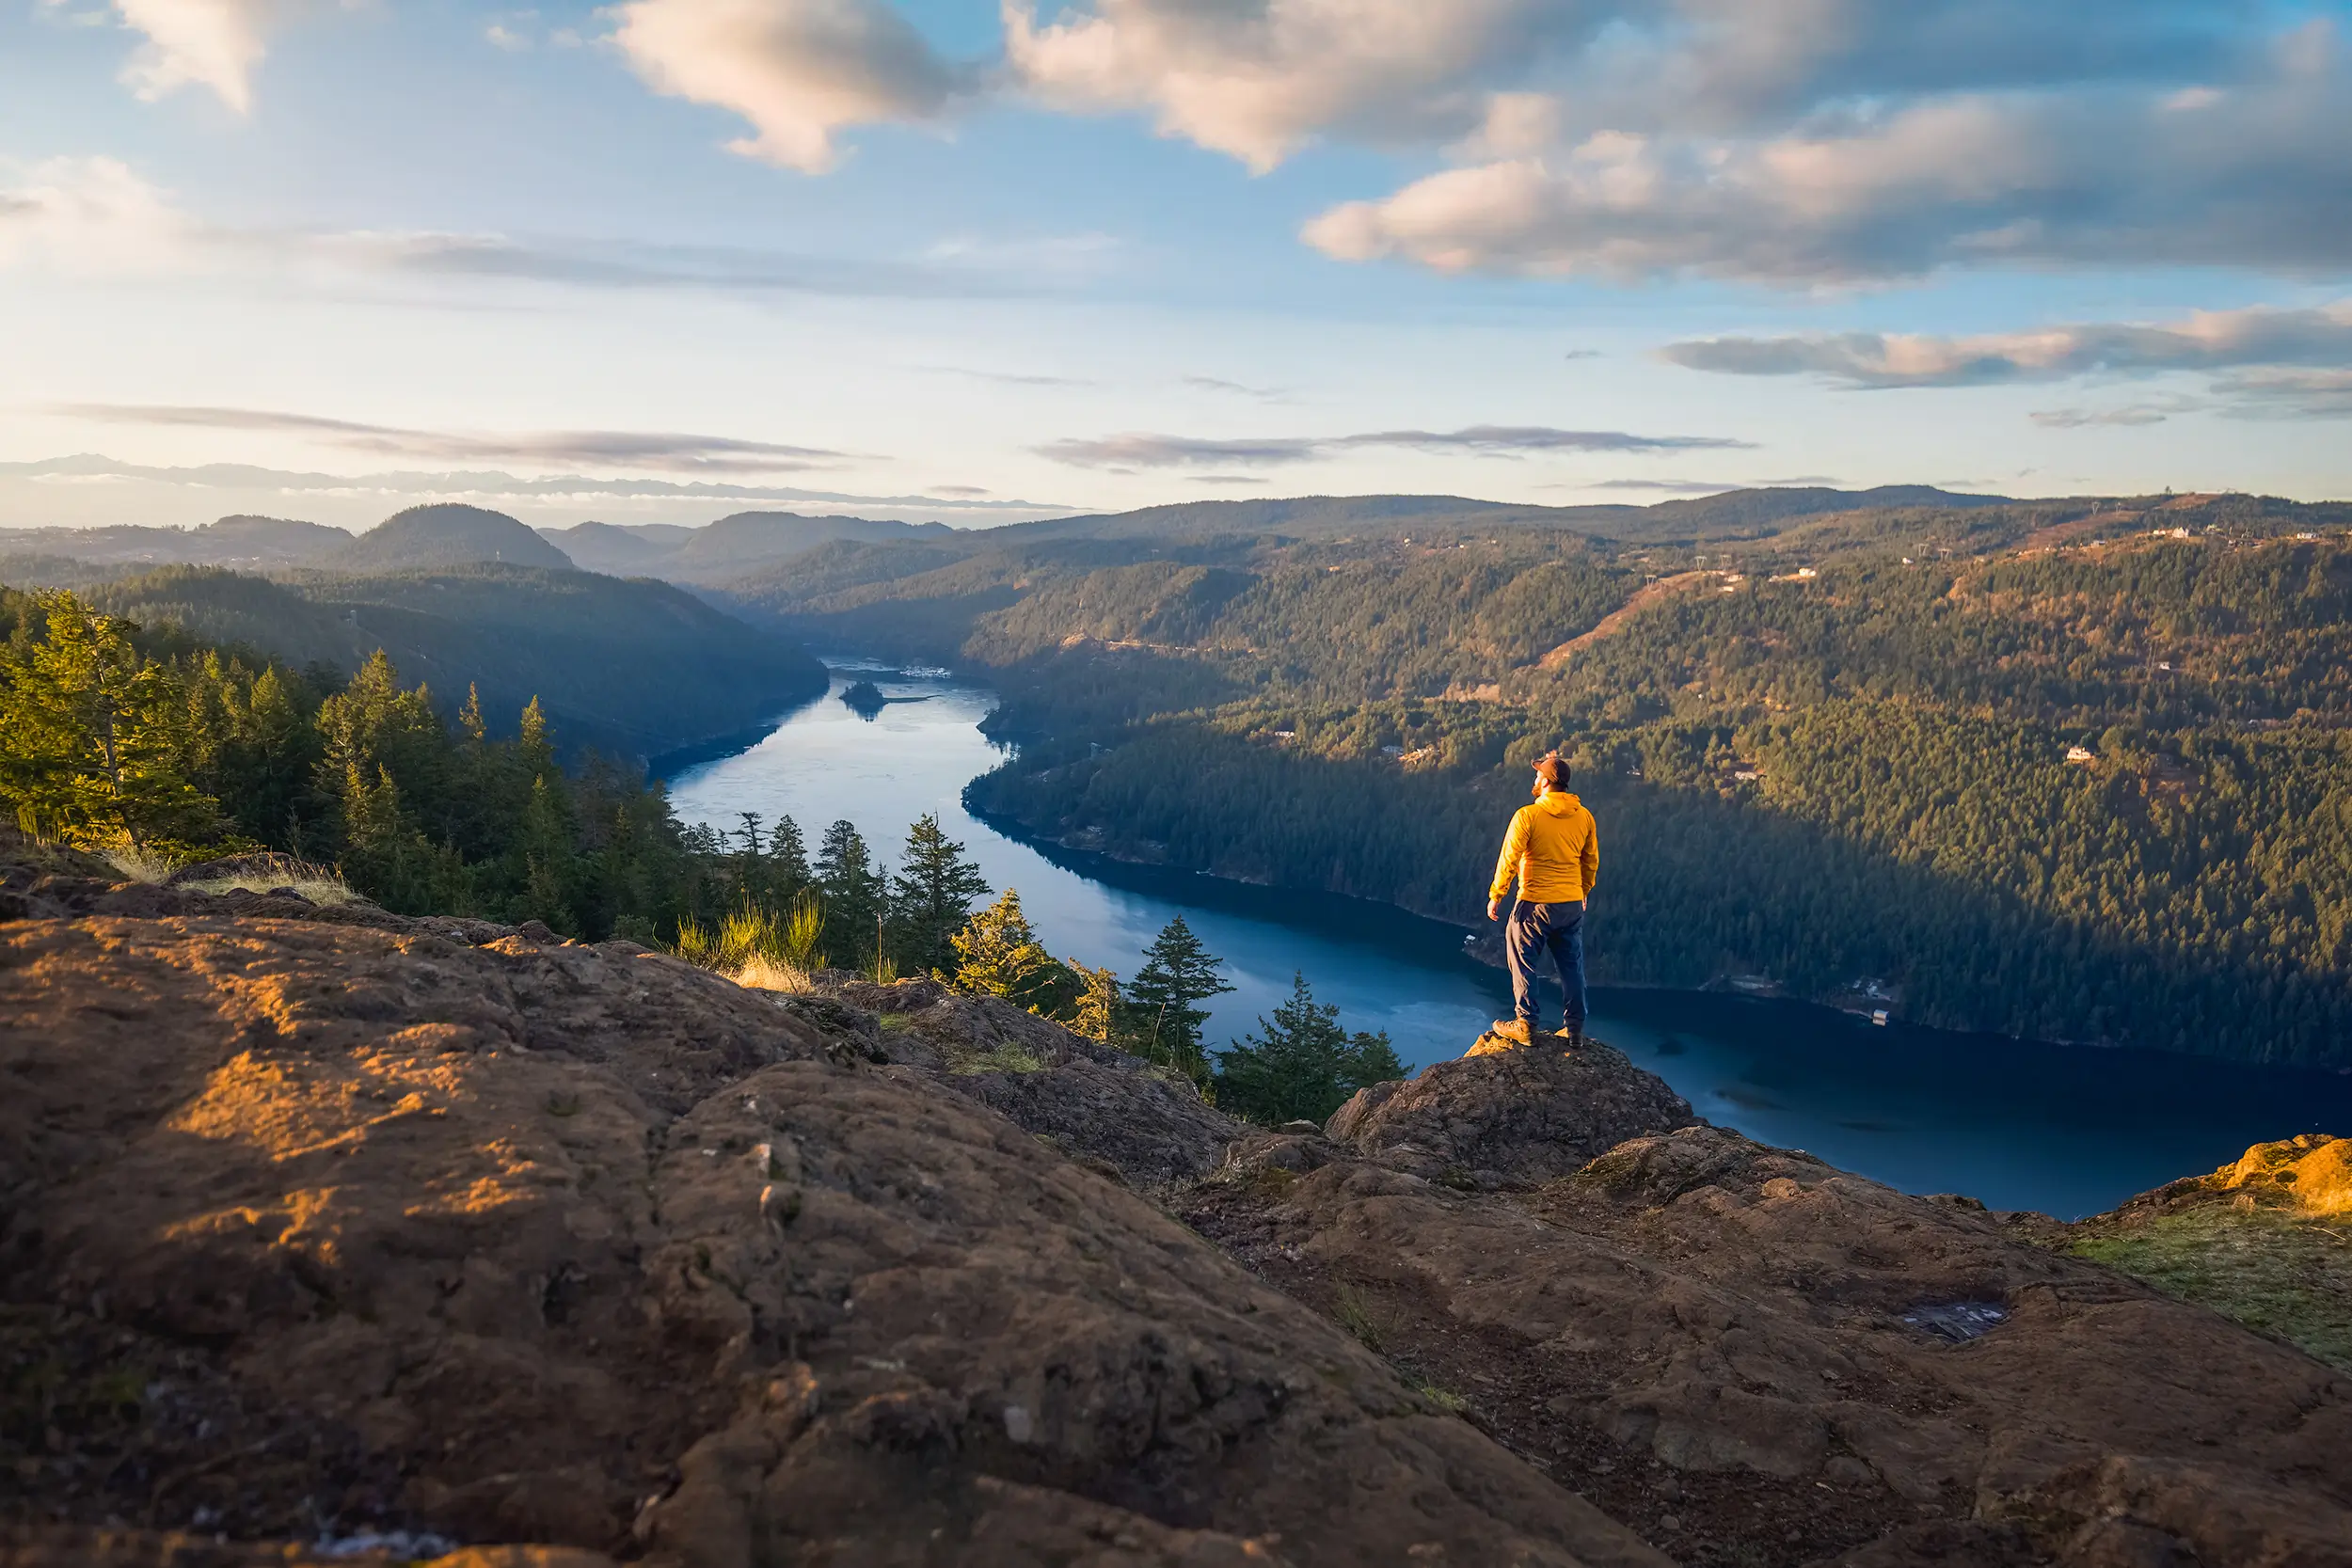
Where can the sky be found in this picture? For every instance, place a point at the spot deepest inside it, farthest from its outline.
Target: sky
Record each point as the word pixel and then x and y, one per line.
pixel 666 260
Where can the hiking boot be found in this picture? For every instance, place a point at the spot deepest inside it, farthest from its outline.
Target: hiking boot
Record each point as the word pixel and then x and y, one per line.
pixel 1514 1030
pixel 1573 1035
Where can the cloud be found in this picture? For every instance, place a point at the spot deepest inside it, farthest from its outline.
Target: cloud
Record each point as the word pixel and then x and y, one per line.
pixel 2262 181
pixel 1660 487
pixel 1140 450
pixel 89 215
pixel 2287 393
pixel 1010 378
pixel 98 214
pixel 637 265
pixel 1809 143
pixel 1502 78
pixel 1703 487
pixel 207 43
pixel 1260 80
pixel 2205 341
pixel 479 485
pixel 2266 362
pixel 1137 449
pixel 661 451
pixel 800 71
pixel 2127 415
pixel 1217 384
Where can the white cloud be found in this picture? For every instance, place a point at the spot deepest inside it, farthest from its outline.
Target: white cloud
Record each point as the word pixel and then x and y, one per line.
pixel 2205 341
pixel 2266 362
pixel 93 215
pixel 1258 80
pixel 207 43
pixel 1141 449
pixel 800 71
pixel 88 216
pixel 1796 142
pixel 2129 416
pixel 2262 179
pixel 659 452
pixel 485 487
pixel 2289 393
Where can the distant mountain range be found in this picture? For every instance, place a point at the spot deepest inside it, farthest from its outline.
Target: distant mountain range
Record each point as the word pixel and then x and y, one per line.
pixel 726 547
pixel 722 552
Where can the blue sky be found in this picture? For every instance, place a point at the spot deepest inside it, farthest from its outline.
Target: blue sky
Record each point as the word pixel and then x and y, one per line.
pixel 670 259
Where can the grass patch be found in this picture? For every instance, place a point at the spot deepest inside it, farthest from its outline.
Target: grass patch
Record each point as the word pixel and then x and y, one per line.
pixel 324 890
pixel 1444 1399
pixel 2282 1274
pixel 779 949
pixel 1004 1058
pixel 1354 1310
pixel 893 1023
pixel 1272 1183
pixel 138 865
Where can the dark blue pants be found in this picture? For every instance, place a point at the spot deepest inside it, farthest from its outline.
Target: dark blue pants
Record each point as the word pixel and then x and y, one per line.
pixel 1535 929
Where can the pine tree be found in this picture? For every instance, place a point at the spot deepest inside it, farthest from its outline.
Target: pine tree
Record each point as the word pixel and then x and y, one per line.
pixel 856 894
pixel 931 898
pixel 787 861
pixel 997 954
pixel 97 736
pixel 1177 973
pixel 1100 1012
pixel 1301 1066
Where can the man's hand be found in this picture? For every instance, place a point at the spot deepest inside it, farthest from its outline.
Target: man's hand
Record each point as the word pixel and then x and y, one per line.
pixel 1494 908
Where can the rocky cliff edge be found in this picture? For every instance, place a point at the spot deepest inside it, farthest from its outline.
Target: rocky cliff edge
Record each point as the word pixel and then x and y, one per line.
pixel 330 1235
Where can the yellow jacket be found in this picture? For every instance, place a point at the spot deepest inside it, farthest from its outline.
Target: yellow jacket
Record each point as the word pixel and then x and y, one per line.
pixel 1553 849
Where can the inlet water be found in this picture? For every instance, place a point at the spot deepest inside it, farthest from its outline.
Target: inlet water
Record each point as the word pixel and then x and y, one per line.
pixel 2066 1129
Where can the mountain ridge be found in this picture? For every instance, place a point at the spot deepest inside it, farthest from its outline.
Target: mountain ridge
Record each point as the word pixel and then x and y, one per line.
pixel 744 540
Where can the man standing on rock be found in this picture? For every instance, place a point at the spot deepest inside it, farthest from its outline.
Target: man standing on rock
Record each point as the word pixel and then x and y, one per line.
pixel 1553 850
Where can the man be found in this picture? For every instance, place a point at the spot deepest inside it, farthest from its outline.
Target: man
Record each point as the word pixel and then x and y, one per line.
pixel 1553 851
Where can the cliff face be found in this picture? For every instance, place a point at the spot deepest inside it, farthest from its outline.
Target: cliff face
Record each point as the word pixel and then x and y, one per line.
pixel 322 1223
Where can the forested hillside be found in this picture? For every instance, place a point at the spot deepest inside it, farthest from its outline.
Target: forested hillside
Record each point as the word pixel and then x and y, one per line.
pixel 630 669
pixel 1832 754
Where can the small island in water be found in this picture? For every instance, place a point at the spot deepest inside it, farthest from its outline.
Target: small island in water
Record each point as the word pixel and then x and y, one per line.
pixel 866 699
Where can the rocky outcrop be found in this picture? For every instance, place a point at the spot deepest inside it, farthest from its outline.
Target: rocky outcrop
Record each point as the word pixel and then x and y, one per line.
pixel 1508 1115
pixel 329 1235
pixel 1751 1356
pixel 322 1226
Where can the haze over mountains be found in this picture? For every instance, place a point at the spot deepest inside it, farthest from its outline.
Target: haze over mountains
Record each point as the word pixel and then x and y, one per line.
pixel 450 533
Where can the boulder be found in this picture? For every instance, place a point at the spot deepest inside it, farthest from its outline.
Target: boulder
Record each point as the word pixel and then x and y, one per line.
pixel 1508 1115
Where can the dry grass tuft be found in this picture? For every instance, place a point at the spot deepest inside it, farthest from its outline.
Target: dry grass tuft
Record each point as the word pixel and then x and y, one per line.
pixel 1354 1311
pixel 763 972
pixel 138 865
pixel 322 889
